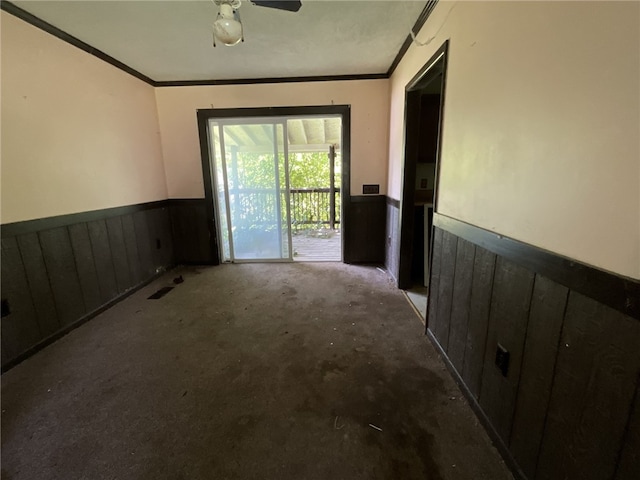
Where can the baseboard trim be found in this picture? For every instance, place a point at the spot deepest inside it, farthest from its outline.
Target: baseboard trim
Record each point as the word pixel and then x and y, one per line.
pixel 475 406
pixel 81 321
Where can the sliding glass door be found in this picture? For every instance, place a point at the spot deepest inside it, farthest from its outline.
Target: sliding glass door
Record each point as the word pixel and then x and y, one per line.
pixel 251 188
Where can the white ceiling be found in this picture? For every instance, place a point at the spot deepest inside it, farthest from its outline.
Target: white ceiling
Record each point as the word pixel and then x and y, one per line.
pixel 172 41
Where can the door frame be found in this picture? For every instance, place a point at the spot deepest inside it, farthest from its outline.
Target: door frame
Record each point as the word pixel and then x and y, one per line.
pixel 203 117
pixel 437 64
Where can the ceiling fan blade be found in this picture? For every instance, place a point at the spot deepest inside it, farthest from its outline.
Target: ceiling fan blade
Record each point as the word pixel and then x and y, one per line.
pixel 289 5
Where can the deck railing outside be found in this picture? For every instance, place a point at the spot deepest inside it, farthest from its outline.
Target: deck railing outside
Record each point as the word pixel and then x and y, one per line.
pixel 310 208
pixel 314 207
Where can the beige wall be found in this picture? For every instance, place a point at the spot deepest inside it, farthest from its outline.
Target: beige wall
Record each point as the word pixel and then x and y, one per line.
pixel 541 124
pixel 369 100
pixel 77 133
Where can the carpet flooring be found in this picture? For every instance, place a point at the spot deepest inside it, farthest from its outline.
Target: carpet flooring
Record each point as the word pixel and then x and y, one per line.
pixel 251 371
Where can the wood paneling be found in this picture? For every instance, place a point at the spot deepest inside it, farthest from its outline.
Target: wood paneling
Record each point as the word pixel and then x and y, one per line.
pixel 618 292
pixel 190 232
pixel 445 288
pixel 40 224
pixel 366 230
pixel 57 278
pixel 144 243
pixel 39 285
pixel 118 254
pixel 460 307
pixel 20 328
pixel 131 246
pixel 511 297
pixel 155 237
pixel 5 354
pixel 568 405
pixel 593 388
pixel 63 275
pixel 536 375
pixel 166 235
pixel 103 260
pixel 629 463
pixel 159 225
pixel 434 282
pixel 479 305
pixel 81 244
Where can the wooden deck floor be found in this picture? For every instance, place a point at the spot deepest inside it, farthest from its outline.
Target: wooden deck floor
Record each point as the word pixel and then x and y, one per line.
pixel 311 248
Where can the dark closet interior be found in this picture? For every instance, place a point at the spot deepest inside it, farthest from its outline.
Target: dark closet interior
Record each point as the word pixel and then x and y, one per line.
pixel 430 97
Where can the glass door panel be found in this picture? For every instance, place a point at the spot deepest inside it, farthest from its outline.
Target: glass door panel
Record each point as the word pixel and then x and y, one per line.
pixel 220 191
pixel 252 194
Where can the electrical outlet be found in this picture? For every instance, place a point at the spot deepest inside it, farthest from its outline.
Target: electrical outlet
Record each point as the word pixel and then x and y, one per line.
pixel 423 183
pixel 370 189
pixel 502 360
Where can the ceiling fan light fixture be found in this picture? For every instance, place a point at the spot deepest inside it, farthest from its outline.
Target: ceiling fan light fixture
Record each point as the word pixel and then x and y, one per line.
pixel 227 28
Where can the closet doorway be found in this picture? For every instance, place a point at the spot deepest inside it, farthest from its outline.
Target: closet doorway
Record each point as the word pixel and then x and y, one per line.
pixel 424 107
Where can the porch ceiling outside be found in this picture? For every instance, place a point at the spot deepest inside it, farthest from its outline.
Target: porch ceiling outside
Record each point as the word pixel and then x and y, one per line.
pixel 304 135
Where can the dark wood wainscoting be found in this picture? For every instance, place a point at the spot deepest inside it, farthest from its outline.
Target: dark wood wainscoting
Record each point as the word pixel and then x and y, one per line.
pixel 194 237
pixel 195 240
pixel 59 272
pixel 568 405
pixel 366 223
